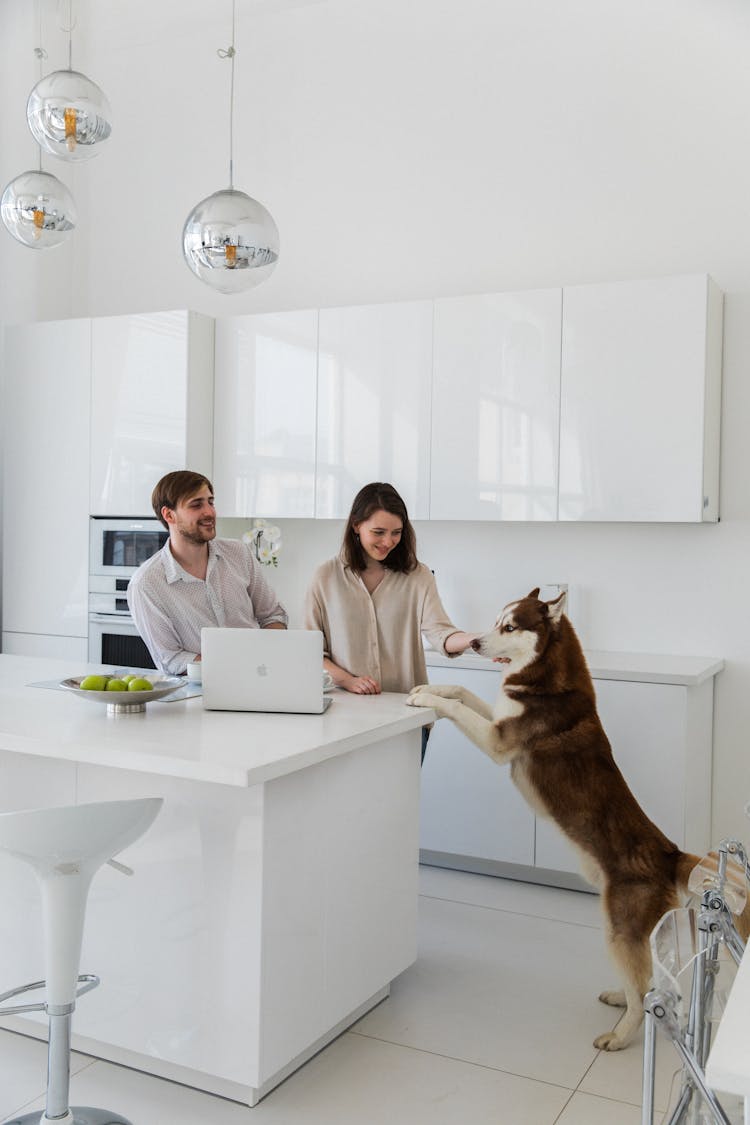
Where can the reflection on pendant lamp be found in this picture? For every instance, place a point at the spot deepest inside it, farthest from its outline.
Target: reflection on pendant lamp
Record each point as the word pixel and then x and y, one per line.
pixel 69 115
pixel 230 240
pixel 38 210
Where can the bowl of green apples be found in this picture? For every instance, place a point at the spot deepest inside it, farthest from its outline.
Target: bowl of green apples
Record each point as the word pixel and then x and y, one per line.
pixel 123 692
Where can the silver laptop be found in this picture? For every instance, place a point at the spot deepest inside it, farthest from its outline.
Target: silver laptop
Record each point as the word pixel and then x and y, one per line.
pixel 263 670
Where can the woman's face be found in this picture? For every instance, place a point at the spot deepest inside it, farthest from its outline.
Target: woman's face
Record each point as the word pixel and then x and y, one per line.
pixel 379 535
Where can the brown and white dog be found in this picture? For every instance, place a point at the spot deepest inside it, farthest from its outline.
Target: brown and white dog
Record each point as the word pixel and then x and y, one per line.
pixel 545 724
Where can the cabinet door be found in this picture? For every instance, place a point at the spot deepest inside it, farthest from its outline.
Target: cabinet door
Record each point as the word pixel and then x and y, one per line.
pixel 374 374
pixel 469 805
pixel 45 424
pixel 646 725
pixel 641 372
pixel 264 414
pixel 495 410
pixel 141 386
pixel 74 649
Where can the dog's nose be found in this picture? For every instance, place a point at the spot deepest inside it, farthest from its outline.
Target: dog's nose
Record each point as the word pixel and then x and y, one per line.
pixel 475 644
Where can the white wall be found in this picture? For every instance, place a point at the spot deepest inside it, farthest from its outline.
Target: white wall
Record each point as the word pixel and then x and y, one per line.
pixel 412 148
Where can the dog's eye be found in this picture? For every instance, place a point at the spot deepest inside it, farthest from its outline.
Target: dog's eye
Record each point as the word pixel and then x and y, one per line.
pixel 509 628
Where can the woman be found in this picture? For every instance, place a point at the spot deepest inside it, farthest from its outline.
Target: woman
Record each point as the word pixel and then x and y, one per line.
pixel 373 601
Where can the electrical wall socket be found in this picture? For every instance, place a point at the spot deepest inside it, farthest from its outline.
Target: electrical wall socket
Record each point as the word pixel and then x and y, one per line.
pixel 551 590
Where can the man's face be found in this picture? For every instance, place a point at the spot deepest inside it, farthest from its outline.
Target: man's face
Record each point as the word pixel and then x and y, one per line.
pixel 193 519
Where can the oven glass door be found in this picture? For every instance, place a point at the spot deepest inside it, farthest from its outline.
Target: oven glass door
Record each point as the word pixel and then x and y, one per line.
pixel 114 641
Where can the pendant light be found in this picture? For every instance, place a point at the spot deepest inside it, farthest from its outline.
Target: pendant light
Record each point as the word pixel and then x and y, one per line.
pixel 36 207
pixel 67 113
pixel 38 210
pixel 230 240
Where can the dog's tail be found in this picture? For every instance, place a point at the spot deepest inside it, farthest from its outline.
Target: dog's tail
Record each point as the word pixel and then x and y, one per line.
pixel 685 867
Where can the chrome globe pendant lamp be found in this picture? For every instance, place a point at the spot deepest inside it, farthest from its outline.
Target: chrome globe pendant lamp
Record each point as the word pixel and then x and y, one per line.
pixel 229 240
pixel 68 114
pixel 36 208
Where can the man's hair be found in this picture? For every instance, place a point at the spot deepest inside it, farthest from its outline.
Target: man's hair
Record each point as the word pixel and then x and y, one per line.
pixel 175 487
pixel 370 499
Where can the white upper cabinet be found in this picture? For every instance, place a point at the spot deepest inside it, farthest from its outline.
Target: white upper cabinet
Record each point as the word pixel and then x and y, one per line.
pixel 151 405
pixel 640 401
pixel 495 409
pixel 264 414
pixel 374 375
pixel 45 479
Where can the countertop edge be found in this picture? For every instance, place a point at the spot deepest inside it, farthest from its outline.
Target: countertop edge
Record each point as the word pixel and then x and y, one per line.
pixel 657 668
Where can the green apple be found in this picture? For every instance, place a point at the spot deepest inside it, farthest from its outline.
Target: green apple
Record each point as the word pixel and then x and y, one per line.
pixel 117 685
pixel 127 677
pixel 94 683
pixel 140 684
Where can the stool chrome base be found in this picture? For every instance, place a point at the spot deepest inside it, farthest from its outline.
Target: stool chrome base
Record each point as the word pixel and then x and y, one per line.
pixel 78 1115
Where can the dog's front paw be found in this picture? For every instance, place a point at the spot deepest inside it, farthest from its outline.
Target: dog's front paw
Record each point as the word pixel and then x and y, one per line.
pixel 416 697
pixel 609 1041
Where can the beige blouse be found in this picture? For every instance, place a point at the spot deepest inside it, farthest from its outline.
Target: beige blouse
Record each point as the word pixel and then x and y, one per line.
pixel 378 634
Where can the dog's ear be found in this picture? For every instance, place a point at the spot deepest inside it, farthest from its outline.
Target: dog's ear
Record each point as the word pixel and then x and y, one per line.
pixel 534 593
pixel 556 608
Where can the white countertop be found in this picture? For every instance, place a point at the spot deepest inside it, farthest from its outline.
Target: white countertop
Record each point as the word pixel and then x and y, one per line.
pixel 180 739
pixel 645 667
pixel 728 1066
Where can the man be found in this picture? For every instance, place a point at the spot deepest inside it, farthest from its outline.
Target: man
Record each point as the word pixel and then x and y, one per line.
pixel 196 579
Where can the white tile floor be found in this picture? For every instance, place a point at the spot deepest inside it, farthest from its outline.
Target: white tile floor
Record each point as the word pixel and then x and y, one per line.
pixel 493 1024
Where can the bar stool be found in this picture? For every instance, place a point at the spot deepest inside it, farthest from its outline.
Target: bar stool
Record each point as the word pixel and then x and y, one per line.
pixel 685 945
pixel 66 847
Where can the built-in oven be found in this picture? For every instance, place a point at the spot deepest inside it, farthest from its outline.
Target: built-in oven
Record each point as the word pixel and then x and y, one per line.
pixel 117 547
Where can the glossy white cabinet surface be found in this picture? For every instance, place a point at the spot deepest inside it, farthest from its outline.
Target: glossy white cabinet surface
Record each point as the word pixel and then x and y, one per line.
pixel 74 649
pixel 495 409
pixel 374 377
pixel 151 404
pixel 45 429
pixel 469 805
pixel 264 414
pixel 640 400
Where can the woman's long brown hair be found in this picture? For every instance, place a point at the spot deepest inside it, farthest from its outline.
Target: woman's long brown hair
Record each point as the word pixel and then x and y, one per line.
pixel 374 498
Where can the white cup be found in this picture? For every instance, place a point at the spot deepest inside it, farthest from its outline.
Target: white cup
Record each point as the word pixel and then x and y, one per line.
pixel 327 681
pixel 194 672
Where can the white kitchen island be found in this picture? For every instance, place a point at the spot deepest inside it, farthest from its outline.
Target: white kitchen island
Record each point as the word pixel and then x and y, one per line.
pixel 275 897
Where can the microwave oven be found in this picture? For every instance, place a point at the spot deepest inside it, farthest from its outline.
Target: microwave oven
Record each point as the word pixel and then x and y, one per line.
pixel 117 547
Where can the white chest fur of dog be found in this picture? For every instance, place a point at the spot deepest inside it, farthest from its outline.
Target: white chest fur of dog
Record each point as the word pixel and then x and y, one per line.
pixel 545 725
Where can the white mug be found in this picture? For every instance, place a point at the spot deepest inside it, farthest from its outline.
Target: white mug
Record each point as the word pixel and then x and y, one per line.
pixel 194 671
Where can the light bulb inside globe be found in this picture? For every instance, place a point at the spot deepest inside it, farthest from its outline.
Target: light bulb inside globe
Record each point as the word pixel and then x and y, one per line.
pixel 38 210
pixel 230 241
pixel 69 115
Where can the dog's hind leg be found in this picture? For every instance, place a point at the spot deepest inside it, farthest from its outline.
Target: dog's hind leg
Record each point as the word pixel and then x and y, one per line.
pixel 634 962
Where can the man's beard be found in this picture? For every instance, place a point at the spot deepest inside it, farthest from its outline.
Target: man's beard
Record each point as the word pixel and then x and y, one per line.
pixel 199 536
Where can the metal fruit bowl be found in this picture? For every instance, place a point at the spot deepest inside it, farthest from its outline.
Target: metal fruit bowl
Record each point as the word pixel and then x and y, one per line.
pixel 124 702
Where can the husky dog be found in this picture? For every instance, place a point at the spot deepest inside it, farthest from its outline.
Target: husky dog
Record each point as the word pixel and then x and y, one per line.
pixel 545 724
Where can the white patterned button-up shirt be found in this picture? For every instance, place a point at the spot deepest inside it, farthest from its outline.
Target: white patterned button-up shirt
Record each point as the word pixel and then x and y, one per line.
pixel 170 606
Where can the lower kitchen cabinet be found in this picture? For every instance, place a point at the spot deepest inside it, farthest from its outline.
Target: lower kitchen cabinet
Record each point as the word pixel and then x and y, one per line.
pixel 470 808
pixel 658 714
pixel 74 649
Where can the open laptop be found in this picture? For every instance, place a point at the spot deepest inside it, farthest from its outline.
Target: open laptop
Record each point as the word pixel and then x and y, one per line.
pixel 263 670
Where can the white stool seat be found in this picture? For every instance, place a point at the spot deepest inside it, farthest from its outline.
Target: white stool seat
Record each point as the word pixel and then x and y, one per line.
pixel 66 847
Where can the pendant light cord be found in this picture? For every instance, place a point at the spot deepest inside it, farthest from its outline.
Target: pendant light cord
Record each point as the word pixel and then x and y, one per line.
pixel 41 55
pixel 68 30
pixel 229 54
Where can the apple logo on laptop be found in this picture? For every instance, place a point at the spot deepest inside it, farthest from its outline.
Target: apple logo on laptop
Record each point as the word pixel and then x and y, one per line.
pixel 262 670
